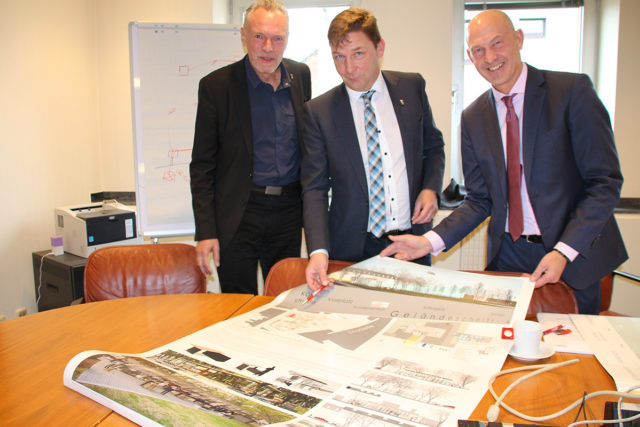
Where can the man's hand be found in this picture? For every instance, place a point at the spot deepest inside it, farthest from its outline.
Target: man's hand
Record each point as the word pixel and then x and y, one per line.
pixel 549 269
pixel 203 249
pixel 425 208
pixel 407 247
pixel 316 272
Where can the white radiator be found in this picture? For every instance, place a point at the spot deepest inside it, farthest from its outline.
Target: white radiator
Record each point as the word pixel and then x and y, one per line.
pixel 469 254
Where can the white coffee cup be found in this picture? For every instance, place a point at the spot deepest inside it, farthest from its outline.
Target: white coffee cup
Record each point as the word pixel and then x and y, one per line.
pixel 526 338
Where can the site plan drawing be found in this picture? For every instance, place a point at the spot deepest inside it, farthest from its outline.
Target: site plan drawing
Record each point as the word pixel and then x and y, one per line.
pixel 392 343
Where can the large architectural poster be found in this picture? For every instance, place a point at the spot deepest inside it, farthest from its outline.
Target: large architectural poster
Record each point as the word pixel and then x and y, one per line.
pixel 359 354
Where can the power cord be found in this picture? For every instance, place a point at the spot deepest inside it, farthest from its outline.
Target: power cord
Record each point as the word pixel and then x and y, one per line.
pixel 494 410
pixel 38 295
pixel 582 408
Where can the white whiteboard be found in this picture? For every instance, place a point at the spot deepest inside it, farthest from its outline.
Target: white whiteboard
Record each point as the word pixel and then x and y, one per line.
pixel 167 63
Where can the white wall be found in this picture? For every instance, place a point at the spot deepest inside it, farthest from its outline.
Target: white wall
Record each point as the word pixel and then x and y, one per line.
pixel 626 292
pixel 419 40
pixel 617 82
pixel 112 42
pixel 49 127
pixel 65 116
pixel 624 90
pixel 627 119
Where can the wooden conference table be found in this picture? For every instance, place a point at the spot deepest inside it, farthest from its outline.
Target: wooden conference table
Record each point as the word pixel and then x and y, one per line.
pixel 35 349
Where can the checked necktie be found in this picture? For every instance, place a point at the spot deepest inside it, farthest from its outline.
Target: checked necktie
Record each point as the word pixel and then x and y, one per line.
pixel 377 217
pixel 514 171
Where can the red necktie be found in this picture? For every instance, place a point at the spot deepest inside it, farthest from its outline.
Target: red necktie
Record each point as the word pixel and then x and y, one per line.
pixel 513 170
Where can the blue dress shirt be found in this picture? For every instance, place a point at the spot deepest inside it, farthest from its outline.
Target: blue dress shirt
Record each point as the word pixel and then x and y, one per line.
pixel 276 153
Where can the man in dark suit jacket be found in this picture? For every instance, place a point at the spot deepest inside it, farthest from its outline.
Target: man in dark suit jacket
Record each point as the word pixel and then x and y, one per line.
pixel 570 173
pixel 336 153
pixel 245 167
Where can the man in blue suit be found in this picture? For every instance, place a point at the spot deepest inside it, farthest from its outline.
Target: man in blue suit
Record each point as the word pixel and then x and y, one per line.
pixel 372 142
pixel 556 220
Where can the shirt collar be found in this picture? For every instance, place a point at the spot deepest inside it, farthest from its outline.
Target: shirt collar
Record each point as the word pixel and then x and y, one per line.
pixel 518 87
pixel 254 80
pixel 379 86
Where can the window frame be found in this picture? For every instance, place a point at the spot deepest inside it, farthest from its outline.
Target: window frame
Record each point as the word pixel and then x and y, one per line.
pixel 239 6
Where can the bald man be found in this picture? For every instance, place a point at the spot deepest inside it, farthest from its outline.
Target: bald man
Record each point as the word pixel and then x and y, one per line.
pixel 552 216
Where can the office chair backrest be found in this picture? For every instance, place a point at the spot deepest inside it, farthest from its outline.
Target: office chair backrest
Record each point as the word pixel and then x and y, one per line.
pixel 289 273
pixel 137 270
pixel 606 287
pixel 551 298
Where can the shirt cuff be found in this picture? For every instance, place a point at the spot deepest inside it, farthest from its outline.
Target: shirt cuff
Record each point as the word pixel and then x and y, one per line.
pixel 437 244
pixel 566 250
pixel 319 251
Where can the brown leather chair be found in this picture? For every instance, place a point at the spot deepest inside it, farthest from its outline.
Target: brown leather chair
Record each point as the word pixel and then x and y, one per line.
pixel 289 273
pixel 606 285
pixel 551 298
pixel 137 270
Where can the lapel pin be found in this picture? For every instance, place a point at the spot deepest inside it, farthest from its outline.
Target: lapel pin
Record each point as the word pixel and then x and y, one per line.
pixel 402 102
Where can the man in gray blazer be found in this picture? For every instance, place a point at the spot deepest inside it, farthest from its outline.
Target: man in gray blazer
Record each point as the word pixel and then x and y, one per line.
pixel 245 164
pixel 373 116
pixel 558 221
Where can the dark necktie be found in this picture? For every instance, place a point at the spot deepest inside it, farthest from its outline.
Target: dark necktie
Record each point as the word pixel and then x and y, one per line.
pixel 514 171
pixel 377 217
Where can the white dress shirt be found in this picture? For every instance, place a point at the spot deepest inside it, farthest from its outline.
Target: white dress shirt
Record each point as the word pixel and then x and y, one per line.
pixel 394 167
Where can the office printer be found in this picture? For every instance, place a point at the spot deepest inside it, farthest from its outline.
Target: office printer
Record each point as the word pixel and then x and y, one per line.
pixel 85 228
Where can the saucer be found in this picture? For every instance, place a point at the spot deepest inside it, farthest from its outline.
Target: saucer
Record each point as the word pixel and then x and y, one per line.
pixel 544 351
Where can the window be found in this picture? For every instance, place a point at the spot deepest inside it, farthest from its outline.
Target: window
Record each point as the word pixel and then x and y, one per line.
pixel 552 40
pixel 308 43
pixel 308 25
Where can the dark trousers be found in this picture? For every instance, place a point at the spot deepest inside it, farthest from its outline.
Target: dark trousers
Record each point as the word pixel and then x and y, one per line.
pixel 522 256
pixel 270 230
pixel 373 246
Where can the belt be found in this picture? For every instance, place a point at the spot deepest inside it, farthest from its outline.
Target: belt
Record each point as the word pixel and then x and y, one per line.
pixel 272 190
pixel 530 238
pixel 392 233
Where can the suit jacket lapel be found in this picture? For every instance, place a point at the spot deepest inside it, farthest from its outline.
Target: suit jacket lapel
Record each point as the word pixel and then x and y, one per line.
pixel 297 95
pixel 533 100
pixel 343 123
pixel 493 136
pixel 239 95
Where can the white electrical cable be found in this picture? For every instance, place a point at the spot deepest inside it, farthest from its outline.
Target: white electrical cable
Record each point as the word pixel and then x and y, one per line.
pixel 494 410
pixel 620 419
pixel 38 295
